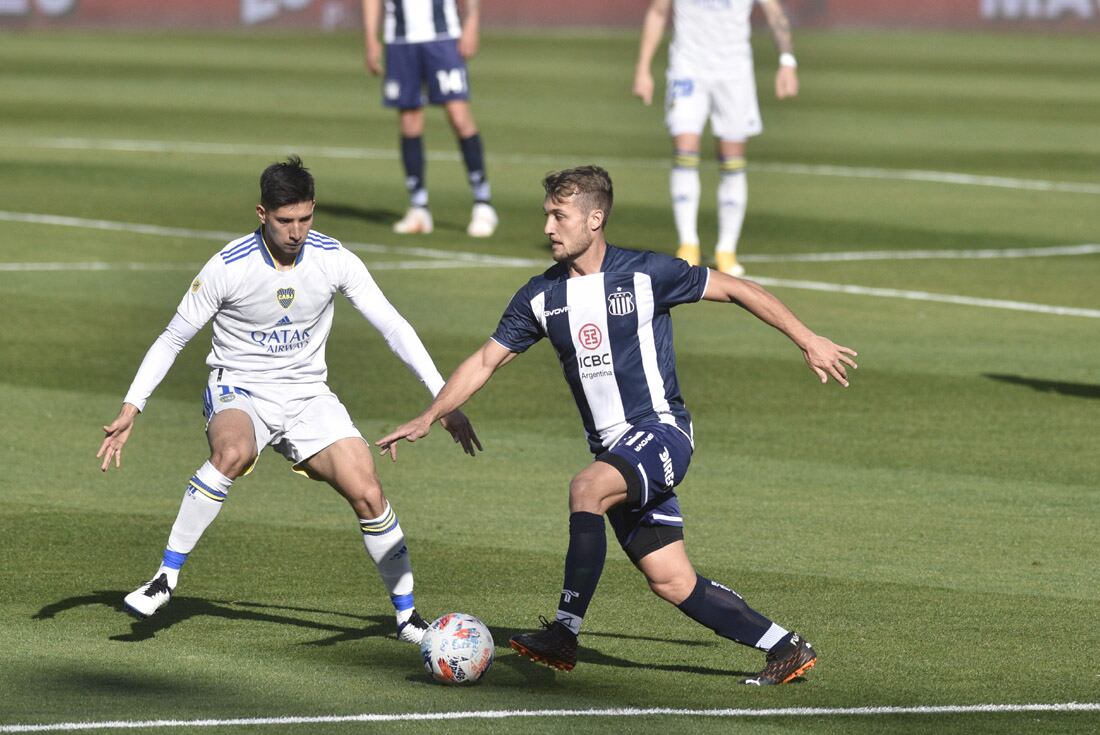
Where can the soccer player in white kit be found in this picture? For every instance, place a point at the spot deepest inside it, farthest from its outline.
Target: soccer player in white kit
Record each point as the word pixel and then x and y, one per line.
pixel 270 294
pixel 710 74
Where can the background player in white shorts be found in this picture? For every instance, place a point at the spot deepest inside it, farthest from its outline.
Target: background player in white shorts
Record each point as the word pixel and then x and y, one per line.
pixel 270 294
pixel 710 73
pixel 426 50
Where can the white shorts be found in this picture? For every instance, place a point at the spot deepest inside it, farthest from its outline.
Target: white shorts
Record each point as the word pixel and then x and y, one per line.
pixel 729 103
pixel 297 419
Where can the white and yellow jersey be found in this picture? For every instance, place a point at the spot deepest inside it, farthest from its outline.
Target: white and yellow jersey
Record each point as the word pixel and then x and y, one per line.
pixel 710 39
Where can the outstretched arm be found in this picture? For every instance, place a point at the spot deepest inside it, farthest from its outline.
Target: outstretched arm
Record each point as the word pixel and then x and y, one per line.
pixel 822 356
pixel 653 28
pixel 473 373
pixel 786 79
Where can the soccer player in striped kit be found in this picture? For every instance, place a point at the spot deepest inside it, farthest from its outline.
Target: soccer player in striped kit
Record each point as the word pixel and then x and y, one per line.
pixel 425 50
pixel 710 74
pixel 605 310
pixel 270 294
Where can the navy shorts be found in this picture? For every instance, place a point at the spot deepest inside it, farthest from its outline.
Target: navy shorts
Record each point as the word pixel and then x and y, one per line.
pixel 410 67
pixel 653 458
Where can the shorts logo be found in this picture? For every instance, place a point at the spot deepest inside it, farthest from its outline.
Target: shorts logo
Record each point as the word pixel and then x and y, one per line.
pixel 227 398
pixel 621 303
pixel 666 465
pixel 285 296
pixel 196 285
pixel 392 89
pixel 590 336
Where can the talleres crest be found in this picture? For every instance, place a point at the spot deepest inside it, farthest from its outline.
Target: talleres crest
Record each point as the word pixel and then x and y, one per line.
pixel 285 297
pixel 620 303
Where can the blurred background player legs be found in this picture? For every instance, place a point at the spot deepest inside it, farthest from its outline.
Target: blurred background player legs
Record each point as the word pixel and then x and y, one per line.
pixel 425 50
pixel 418 219
pixel 691 103
pixel 710 75
pixel 733 195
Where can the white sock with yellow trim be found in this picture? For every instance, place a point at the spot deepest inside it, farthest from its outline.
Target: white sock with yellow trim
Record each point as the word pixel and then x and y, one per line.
pixel 733 196
pixel 385 542
pixel 206 492
pixel 685 189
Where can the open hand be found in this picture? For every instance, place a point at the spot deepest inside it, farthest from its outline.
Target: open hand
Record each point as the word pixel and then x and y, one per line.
pixel 826 359
pixel 462 431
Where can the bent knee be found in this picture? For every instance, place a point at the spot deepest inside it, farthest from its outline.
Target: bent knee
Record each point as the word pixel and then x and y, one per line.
pixel 366 499
pixel 674 590
pixel 232 460
pixel 585 495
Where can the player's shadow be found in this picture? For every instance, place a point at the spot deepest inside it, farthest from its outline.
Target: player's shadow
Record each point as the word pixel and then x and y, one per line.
pixel 185 608
pixel 1074 390
pixel 374 215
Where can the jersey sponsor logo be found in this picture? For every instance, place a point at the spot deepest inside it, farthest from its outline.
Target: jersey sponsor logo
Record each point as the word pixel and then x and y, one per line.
pixel 281 340
pixel 285 297
pixel 590 337
pixel 602 359
pixel 196 285
pixel 555 312
pixel 620 303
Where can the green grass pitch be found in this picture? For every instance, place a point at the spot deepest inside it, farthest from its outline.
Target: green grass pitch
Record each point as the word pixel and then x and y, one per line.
pixel 933 529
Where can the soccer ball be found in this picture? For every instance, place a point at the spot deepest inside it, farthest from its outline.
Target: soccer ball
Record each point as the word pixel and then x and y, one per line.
pixel 457 649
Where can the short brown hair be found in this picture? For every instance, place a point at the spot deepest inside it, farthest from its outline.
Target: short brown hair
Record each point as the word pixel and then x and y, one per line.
pixel 591 185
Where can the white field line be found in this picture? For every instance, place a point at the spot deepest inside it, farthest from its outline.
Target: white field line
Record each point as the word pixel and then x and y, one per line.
pixel 986 254
pixel 513 714
pixel 374 154
pixel 402 265
pixel 224 237
pixel 452 259
pixel 893 293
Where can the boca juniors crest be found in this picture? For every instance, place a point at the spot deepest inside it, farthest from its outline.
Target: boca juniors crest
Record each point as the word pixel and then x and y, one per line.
pixel 285 297
pixel 620 303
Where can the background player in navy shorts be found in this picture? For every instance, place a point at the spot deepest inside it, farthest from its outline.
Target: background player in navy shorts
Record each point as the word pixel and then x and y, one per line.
pixel 426 46
pixel 606 311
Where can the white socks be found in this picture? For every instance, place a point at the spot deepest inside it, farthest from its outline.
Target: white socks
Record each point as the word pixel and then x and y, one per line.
pixel 385 542
pixel 206 491
pixel 684 187
pixel 733 194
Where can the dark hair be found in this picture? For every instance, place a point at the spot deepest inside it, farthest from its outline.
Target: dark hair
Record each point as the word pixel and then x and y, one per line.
pixel 284 183
pixel 591 185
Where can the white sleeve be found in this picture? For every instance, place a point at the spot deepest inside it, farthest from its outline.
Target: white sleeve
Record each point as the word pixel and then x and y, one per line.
pixel 364 294
pixel 159 359
pixel 204 298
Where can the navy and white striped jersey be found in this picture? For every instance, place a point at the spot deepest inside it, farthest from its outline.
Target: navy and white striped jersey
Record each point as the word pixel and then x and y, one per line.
pixel 612 332
pixel 418 21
